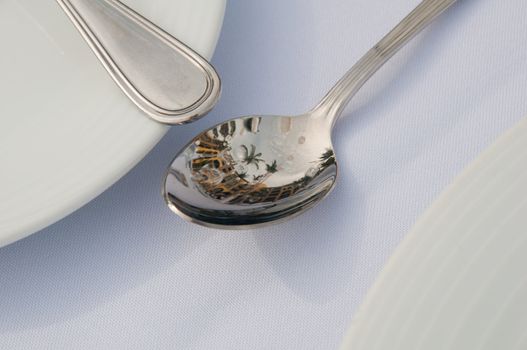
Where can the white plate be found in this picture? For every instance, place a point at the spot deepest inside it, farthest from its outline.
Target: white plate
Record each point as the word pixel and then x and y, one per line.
pixel 459 279
pixel 66 131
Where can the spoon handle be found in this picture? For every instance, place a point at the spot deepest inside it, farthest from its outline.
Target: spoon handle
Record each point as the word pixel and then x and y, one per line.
pixel 166 79
pixel 338 97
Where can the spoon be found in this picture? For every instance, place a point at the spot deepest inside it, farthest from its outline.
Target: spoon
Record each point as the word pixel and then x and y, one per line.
pixel 162 76
pixel 252 171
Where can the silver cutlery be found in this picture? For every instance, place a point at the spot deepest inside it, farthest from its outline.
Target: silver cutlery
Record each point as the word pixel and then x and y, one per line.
pixel 165 78
pixel 256 170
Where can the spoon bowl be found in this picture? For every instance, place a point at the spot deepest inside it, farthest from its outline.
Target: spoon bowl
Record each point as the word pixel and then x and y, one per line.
pixel 249 171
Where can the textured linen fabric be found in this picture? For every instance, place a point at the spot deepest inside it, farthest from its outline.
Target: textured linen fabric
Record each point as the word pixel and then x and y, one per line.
pixel 125 273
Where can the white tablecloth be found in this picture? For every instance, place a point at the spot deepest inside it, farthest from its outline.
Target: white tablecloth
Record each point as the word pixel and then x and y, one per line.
pixel 123 272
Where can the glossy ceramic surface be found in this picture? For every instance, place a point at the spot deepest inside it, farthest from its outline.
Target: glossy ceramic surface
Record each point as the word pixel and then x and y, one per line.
pixel 53 160
pixel 458 280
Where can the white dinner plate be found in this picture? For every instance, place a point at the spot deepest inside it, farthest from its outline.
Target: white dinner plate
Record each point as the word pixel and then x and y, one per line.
pixel 459 279
pixel 66 131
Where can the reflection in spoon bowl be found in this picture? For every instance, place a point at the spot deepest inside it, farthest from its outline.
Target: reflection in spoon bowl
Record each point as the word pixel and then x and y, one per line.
pixel 252 170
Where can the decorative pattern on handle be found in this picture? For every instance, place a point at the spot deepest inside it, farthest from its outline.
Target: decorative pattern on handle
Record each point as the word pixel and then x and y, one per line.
pixel 166 79
pixel 336 100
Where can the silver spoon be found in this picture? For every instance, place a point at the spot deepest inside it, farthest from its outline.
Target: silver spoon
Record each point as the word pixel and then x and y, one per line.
pixel 254 170
pixel 166 79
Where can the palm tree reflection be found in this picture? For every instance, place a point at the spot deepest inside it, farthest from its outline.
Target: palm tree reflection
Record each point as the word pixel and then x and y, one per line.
pixel 217 174
pixel 251 157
